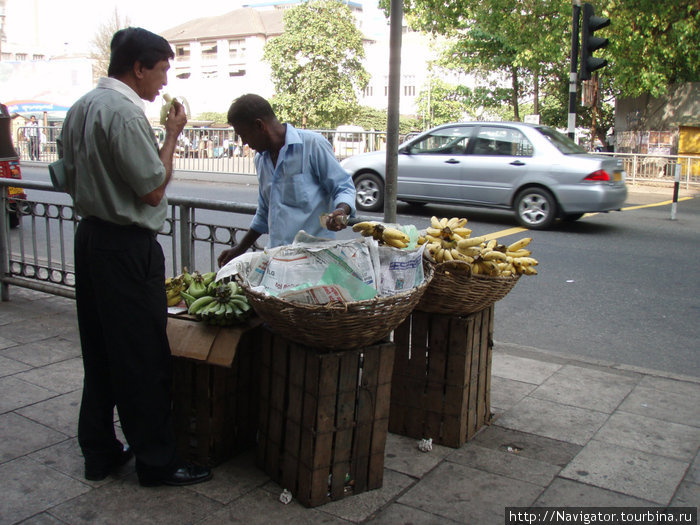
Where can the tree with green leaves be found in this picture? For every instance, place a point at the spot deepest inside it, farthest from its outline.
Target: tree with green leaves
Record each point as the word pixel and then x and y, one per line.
pixel 317 65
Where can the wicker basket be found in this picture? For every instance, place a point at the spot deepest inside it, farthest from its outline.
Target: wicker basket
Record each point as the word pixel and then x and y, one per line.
pixel 337 326
pixel 454 290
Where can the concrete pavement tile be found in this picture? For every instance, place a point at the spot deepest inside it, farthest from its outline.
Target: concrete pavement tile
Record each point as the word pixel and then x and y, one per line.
pixel 62 377
pixel 505 463
pixel 6 343
pixel 651 435
pixel 358 507
pixel 15 393
pixel 525 445
pixel 43 519
pixel 553 420
pixel 233 479
pixel 663 404
pixel 260 507
pixel 402 455
pixel 20 436
pixel 44 352
pixel 468 495
pixel 29 488
pixel 402 514
pixel 586 388
pixel 125 501
pixel 506 392
pixel 633 472
pixel 9 366
pixel 568 493
pixel 31 330
pixel 693 474
pixel 522 369
pixel 687 388
pixel 687 495
pixel 59 413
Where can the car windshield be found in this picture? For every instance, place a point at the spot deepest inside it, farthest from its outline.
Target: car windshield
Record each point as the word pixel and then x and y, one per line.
pixel 561 142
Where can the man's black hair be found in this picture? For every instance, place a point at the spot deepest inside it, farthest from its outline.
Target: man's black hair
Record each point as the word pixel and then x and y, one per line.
pixel 246 109
pixel 136 44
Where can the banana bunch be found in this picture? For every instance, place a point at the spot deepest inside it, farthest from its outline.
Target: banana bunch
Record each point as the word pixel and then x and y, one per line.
pixel 224 305
pixel 383 234
pixel 174 286
pixel 448 240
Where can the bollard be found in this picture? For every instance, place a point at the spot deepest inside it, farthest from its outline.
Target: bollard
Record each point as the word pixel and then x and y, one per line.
pixel 676 184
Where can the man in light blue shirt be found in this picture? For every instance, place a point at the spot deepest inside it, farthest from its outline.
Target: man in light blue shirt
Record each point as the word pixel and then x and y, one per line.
pixel 299 178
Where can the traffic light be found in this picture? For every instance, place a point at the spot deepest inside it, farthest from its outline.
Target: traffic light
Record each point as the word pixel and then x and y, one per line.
pixel 590 43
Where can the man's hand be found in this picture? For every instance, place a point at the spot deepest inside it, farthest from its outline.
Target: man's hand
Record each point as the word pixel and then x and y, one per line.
pixel 177 119
pixel 228 255
pixel 338 219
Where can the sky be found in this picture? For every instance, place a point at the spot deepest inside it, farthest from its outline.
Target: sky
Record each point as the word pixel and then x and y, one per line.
pixel 70 25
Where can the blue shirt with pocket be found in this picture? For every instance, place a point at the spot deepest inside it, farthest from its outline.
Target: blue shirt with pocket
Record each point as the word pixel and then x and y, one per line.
pixel 306 182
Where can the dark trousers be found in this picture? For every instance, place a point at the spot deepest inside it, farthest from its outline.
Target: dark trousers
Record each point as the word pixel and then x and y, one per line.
pixel 34 152
pixel 122 316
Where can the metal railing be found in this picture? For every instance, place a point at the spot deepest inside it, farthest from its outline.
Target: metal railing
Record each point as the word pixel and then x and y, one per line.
pixel 39 253
pixel 645 168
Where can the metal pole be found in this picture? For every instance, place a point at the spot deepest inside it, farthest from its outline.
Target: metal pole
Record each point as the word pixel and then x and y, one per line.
pixel 574 67
pixel 676 184
pixel 392 128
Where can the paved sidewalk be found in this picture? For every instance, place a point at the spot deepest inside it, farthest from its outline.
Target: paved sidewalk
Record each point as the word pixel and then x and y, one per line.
pixel 566 433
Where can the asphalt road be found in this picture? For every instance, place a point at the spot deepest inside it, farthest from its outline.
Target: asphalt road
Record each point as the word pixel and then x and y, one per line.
pixel 622 287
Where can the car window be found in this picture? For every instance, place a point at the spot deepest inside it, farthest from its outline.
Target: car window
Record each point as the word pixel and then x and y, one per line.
pixel 560 141
pixel 444 141
pixel 502 141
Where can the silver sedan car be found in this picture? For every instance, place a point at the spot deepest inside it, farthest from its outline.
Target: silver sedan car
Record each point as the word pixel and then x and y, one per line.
pixel 533 170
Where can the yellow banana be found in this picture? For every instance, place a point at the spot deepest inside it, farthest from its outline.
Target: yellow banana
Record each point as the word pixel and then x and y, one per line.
pixel 462 232
pixel 519 253
pixel 443 222
pixel 471 251
pixel 529 270
pixel 517 245
pixel 435 222
pixel 494 255
pixel 435 232
pixel 525 261
pixel 447 254
pixel 396 243
pixel 421 240
pixel 491 244
pixel 393 233
pixel 472 241
pixel 365 225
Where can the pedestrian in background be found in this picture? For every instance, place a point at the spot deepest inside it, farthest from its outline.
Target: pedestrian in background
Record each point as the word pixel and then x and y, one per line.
pixel 299 178
pixel 31 133
pixel 117 177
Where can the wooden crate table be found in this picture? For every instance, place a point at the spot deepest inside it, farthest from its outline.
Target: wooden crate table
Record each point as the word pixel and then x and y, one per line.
pixel 442 376
pixel 215 400
pixel 323 418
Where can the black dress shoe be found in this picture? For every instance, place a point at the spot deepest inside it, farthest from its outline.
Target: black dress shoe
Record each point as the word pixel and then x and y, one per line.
pixel 99 471
pixel 186 474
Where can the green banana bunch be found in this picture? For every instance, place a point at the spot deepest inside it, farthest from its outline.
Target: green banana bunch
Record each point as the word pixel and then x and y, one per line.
pixel 223 305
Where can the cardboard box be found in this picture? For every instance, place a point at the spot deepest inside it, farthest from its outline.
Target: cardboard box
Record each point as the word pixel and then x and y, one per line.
pixel 215 388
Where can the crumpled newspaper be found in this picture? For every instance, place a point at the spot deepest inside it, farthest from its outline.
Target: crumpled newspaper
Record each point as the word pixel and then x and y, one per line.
pixel 425 445
pixel 286 497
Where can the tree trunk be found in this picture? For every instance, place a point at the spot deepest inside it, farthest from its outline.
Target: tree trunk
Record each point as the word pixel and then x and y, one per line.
pixel 536 93
pixel 516 89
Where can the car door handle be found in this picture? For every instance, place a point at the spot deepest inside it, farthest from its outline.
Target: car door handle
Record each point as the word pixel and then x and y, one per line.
pixel 452 161
pixel 517 163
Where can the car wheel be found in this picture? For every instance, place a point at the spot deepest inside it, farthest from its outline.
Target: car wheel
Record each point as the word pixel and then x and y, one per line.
pixel 369 189
pixel 571 217
pixel 535 208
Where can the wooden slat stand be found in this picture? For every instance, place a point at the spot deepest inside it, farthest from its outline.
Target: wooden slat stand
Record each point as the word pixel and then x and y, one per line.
pixel 215 407
pixel 442 376
pixel 323 418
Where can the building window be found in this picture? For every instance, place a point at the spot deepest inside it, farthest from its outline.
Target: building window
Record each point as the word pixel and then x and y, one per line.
pixel 236 49
pixel 409 91
pixel 369 91
pixel 20 56
pixel 37 57
pixel 236 73
pixel 210 72
pixel 209 51
pixel 182 52
pixel 182 73
pixel 409 86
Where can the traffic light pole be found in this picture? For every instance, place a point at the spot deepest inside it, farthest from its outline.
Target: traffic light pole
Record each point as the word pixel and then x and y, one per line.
pixel 574 67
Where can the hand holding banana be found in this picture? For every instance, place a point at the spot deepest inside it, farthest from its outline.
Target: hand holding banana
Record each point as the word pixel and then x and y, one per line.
pixel 383 234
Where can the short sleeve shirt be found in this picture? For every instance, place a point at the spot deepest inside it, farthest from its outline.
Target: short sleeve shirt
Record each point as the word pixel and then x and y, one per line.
pixel 111 157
